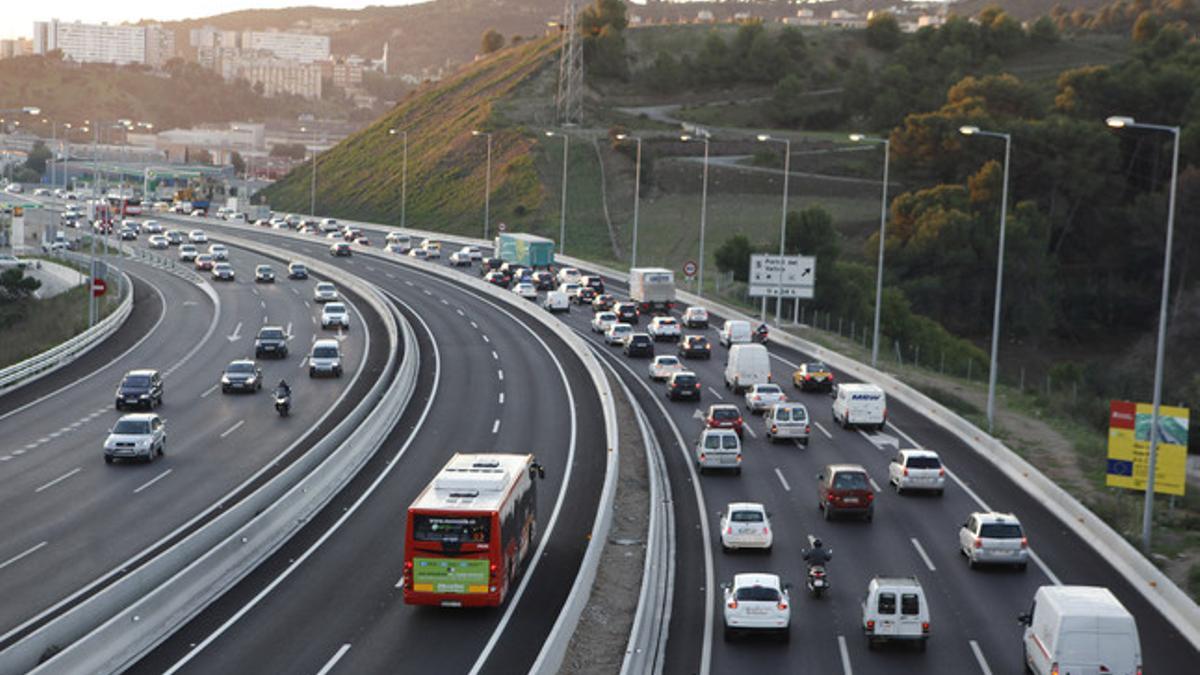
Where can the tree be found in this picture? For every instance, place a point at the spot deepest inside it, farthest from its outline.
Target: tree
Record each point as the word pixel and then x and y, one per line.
pixel 1043 32
pixel 603 14
pixel 734 256
pixel 605 54
pixel 1145 28
pixel 259 88
pixel 492 41
pixel 15 286
pixel 786 106
pixel 883 32
pixel 38 157
pixel 239 164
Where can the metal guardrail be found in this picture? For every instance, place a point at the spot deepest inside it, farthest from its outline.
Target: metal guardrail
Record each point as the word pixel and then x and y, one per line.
pixel 111 630
pixel 34 367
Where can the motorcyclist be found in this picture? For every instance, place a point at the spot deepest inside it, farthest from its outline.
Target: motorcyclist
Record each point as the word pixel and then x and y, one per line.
pixel 282 390
pixel 817 554
pixel 761 331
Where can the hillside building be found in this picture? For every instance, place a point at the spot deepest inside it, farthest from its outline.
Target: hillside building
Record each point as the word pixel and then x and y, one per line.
pixel 102 43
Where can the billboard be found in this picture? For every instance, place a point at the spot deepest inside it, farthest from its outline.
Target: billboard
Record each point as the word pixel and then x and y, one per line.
pixel 1129 447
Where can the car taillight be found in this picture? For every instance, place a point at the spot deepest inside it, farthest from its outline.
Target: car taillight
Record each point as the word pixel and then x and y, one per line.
pixel 808 377
pixel 697 385
pixel 906 471
pixel 781 606
pixel 1024 542
pixel 942 471
pixel 739 458
pixel 733 604
pixel 492 570
pixel 978 542
pixel 830 377
pixel 807 429
pixel 756 397
pixel 702 456
pixel 870 626
pixel 925 627
pixel 870 496
pixel 729 530
pixel 1054 668
pixel 774 429
pixel 766 530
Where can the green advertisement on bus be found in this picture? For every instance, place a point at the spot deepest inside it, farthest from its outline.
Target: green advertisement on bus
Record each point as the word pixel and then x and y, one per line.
pixel 450 575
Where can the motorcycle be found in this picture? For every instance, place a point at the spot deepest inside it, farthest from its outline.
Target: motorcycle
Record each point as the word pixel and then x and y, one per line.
pixel 817 582
pixel 759 337
pixel 283 403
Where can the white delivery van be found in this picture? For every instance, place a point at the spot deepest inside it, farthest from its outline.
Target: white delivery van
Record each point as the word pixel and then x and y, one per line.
pixel 894 609
pixel 719 449
pixel 747 365
pixel 1080 629
pixel 859 405
pixel 735 332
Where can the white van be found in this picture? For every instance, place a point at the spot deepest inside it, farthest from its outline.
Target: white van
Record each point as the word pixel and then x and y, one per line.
pixel 1080 629
pixel 404 241
pixel 326 357
pixel 860 405
pixel 747 365
pixel 719 449
pixel 894 609
pixel 556 301
pixel 735 332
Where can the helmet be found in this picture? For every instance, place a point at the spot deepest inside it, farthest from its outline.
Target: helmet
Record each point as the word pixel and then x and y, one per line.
pixel 816 543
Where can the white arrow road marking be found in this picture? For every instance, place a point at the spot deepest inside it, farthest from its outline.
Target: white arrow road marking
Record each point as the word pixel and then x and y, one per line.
pixel 881 441
pixel 698 414
pixel 237 333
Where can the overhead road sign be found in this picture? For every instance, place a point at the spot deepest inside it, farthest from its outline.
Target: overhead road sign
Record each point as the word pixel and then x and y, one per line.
pixel 787 276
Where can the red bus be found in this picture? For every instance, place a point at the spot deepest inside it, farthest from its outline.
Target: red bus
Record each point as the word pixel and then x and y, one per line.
pixel 470 531
pixel 128 206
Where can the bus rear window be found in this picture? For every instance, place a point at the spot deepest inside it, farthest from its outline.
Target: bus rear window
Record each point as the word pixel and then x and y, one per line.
pixel 452 529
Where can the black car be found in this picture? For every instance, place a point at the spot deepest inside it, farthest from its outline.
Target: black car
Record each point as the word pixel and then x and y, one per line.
pixel 627 312
pixel 695 347
pixel 603 303
pixel 297 271
pixel 639 344
pixel 174 238
pixel 140 388
pixel 488 265
pixel 242 375
pixel 271 341
pixel 683 385
pixel 594 282
pixel 584 295
pixel 497 279
pixel 544 281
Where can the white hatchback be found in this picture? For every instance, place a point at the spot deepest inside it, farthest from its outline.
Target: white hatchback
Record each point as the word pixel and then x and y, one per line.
pixel 746 525
pixel 602 320
pixel 664 328
pixel 197 237
pixel 757 603
pixel 916 469
pixel 525 290
pixel 664 365
pixel 759 397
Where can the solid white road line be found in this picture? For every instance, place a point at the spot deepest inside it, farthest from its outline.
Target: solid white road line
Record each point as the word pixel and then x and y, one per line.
pixel 152 481
pixel 846 669
pixel 924 556
pixel 60 479
pixel 783 480
pixel 823 430
pixel 1037 560
pixel 295 291
pixel 983 664
pixel 333 661
pixel 716 393
pixel 232 429
pixel 496 426
pixel 18 556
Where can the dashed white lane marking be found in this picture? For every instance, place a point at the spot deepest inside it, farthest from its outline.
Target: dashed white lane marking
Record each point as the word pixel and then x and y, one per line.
pixel 426 291
pixel 983 664
pixel 783 480
pixel 924 556
pixel 496 426
pixel 369 268
pixel 501 398
pixel 333 661
pixel 495 356
pixel 295 291
pixel 500 374
pixel 60 479
pixel 209 390
pixel 474 325
pixel 303 362
pixel 5 458
pixel 233 428
pixel 716 393
pixel 154 480
pixel 749 430
pixel 389 275
pixel 823 430
pixel 486 338
pixel 408 283
pixel 460 312
pixel 18 556
pixel 307 303
pixel 846 669
pixel 874 485
pixel 30 446
pixel 444 302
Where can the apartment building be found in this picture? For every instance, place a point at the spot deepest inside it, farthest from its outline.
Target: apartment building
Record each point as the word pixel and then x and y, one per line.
pixel 103 43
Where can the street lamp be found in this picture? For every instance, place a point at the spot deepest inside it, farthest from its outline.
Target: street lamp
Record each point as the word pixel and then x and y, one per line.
pixel 637 188
pixel 1161 347
pixel 787 171
pixel 562 217
pixel 404 176
pixel 859 138
pixel 487 188
pixel 991 402
pixel 703 206
pixel 312 186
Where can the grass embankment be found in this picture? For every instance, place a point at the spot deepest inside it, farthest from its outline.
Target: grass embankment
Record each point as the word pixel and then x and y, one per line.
pixel 46 323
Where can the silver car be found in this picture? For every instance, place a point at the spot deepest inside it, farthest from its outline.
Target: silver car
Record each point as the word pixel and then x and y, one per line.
pixel 787 421
pixel 993 538
pixel 142 436
pixel 760 397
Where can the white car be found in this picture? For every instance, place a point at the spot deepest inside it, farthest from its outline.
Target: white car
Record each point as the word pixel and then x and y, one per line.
pixel 618 333
pixel 757 603
pixel 152 227
pixel 141 436
pixel 993 538
pixel 397 249
pixel 695 317
pixel 759 397
pixel 197 237
pixel 524 289
pixel 335 314
pixel 663 365
pixel 418 253
pixel 433 248
pixel 474 252
pixel 569 275
pixel 460 259
pixel 219 252
pixel 746 525
pixel 664 328
pixel 602 320
pixel 223 271
pixel 570 289
pixel 917 469
pixel 188 253
pixel 325 291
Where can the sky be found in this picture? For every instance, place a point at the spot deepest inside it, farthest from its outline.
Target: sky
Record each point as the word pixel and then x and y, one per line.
pixel 17 17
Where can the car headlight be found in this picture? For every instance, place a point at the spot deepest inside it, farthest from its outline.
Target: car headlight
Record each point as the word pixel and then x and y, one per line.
pixel 224 379
pixel 249 380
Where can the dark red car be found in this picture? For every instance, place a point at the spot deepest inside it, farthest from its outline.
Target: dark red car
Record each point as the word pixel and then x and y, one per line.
pixel 845 489
pixel 724 416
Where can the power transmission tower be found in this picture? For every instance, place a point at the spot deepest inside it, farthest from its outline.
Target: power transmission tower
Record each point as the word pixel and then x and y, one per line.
pixel 569 100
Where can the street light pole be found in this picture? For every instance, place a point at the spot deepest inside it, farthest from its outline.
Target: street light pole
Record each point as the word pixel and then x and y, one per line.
pixel 1161 344
pixel 487 187
pixel 637 188
pixel 403 178
pixel 703 210
pixel 787 172
pixel 991 402
pixel 857 138
pixel 562 217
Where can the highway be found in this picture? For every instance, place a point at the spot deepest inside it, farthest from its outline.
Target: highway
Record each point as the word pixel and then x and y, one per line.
pixel 492 379
pixel 66 510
